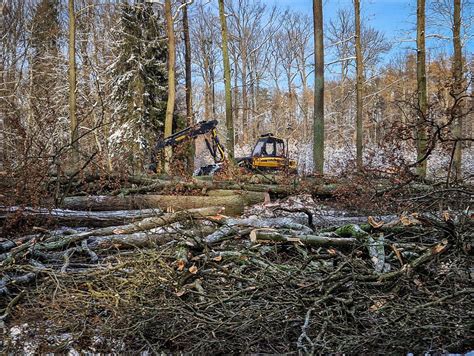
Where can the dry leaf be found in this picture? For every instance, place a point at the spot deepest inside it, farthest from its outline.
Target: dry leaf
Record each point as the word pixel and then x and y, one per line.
pixel 216 217
pixel 253 235
pixel 180 292
pixel 332 251
pixel 439 247
pixel 119 231
pixel 397 253
pixel 373 223
pixel 410 220
pixel 218 258
pixel 377 305
pixel 193 269
pixel 266 199
pixel 181 265
pixel 446 216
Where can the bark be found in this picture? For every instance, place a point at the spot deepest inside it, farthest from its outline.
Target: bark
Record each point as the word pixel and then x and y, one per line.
pixel 188 78
pixel 78 218
pixel 457 74
pixel 326 190
pixel 237 226
pixel 72 84
pixel 128 241
pixel 171 81
pixel 359 86
pixel 228 95
pixel 54 243
pixel 234 204
pixel 311 240
pixel 421 87
pixel 318 125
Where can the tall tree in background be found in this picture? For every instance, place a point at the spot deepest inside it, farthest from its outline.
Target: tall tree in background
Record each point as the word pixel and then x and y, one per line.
pixel 72 84
pixel 44 43
pixel 359 85
pixel 140 79
pixel 206 52
pixel 171 80
pixel 188 79
pixel 318 125
pixel 421 88
pixel 458 87
pixel 228 95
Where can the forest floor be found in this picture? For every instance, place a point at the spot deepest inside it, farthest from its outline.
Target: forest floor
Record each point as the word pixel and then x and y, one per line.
pixel 266 264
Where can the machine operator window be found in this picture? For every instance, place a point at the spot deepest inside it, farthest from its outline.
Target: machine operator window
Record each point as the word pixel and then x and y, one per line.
pixel 269 149
pixel 258 149
pixel 280 149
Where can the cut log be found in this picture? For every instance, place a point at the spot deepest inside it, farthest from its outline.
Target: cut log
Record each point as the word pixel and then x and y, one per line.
pixel 143 225
pixel 127 241
pixel 260 235
pixel 233 226
pixel 78 218
pixel 233 204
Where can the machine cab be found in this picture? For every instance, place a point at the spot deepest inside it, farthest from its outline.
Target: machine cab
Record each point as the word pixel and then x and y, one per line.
pixel 269 146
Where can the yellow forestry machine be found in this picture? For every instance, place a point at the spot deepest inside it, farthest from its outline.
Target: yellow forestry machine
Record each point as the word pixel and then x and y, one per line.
pixel 269 152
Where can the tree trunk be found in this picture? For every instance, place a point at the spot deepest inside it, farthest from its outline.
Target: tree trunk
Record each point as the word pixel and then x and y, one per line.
pixel 318 125
pixel 359 86
pixel 143 225
pixel 259 235
pixel 245 123
pixel 72 84
pixel 171 81
pixel 233 204
pixel 41 216
pixel 457 75
pixel 421 87
pixel 228 95
pixel 207 89
pixel 189 93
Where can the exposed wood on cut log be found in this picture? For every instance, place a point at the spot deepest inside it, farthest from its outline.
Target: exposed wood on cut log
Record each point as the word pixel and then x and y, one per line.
pixel 234 204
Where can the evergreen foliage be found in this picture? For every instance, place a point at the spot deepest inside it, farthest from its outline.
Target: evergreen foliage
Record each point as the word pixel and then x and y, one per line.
pixel 140 75
pixel 44 42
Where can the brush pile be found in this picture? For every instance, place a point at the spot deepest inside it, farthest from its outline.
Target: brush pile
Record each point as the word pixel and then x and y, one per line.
pixel 284 277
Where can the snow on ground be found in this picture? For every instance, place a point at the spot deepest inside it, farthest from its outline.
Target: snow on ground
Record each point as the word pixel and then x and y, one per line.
pixel 340 160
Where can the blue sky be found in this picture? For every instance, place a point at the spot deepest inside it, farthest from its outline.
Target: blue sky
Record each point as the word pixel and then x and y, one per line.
pixel 395 18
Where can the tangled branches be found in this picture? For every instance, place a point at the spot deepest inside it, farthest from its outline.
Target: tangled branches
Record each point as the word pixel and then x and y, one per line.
pixel 244 297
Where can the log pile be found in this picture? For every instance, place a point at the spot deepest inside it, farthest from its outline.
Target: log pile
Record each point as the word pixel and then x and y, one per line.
pixel 198 280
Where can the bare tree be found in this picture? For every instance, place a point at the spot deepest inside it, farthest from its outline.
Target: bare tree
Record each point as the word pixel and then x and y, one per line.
pixel 205 35
pixel 318 126
pixel 458 87
pixel 72 83
pixel 359 85
pixel 421 88
pixel 228 95
pixel 188 80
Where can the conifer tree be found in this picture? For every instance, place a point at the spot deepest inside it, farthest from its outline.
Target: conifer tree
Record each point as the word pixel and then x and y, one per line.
pixel 140 75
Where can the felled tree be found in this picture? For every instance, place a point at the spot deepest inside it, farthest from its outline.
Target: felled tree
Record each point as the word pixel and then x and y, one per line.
pixel 140 78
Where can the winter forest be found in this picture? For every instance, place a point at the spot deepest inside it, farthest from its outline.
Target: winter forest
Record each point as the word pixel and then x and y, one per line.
pixel 236 176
